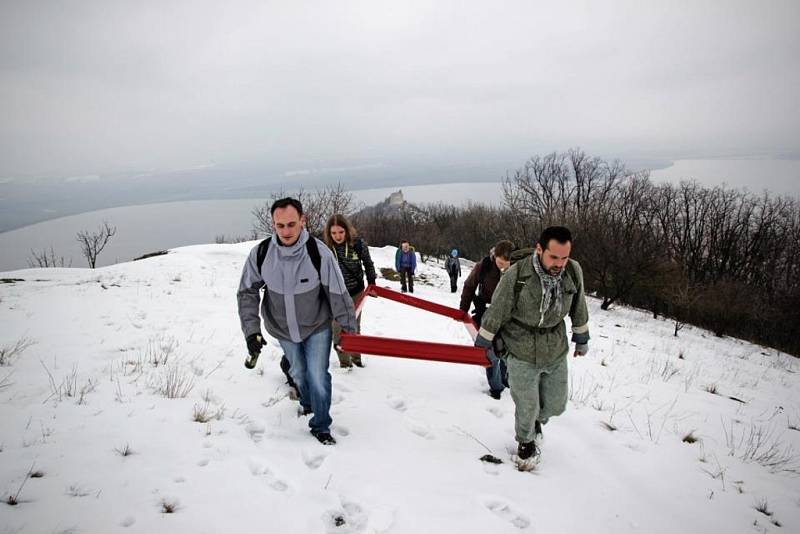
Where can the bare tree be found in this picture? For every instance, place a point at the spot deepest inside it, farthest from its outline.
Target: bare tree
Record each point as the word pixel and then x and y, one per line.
pixel 47 258
pixel 92 244
pixel 318 205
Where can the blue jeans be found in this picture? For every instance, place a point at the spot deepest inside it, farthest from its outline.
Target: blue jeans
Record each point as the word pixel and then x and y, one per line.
pixel 309 369
pixel 495 373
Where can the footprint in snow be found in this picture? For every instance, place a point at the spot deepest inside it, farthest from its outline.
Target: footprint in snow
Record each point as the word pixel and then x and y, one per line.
pixel 255 431
pixel 506 512
pixel 128 522
pixel 351 518
pixel 495 411
pixel 340 430
pixel 397 403
pixel 314 458
pixel 272 480
pixel 420 429
pixel 336 398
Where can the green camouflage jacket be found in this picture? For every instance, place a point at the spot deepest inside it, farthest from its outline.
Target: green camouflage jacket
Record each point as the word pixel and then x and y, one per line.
pixel 515 314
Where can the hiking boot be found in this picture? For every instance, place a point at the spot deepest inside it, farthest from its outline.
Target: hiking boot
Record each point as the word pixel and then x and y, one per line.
pixel 325 438
pixel 537 431
pixel 358 362
pixel 285 366
pixel 495 394
pixel 527 450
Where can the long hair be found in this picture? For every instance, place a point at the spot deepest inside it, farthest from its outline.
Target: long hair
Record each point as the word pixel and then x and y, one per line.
pixel 337 219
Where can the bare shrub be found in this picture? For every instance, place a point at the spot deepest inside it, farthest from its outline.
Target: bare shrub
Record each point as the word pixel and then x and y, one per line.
pixel 608 426
pixel 175 383
pixel 169 506
pixel 87 388
pixel 47 258
pixel 13 500
pixel 318 205
pixel 763 445
pixel 9 353
pixel 4 380
pixel 690 437
pixel 124 450
pixel 762 506
pixel 711 388
pixel 159 349
pixel 93 243
pixel 668 370
pixel 75 490
pixel 583 391
pixel 220 239
pixel 203 413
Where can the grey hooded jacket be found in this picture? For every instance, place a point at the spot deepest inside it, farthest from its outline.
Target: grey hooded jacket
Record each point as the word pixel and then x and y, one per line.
pixel 293 306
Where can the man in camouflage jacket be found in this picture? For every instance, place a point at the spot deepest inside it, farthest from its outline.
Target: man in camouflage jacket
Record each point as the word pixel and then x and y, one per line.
pixel 527 311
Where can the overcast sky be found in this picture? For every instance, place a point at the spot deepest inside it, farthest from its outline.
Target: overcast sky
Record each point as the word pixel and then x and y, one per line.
pixel 93 87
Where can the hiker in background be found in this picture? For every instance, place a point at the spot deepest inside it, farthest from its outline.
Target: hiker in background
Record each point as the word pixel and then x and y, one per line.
pixel 304 292
pixel 453 267
pixel 527 311
pixel 478 289
pixel 405 263
pixel 354 262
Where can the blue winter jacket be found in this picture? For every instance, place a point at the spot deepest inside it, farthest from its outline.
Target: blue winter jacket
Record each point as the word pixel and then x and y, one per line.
pixel 405 260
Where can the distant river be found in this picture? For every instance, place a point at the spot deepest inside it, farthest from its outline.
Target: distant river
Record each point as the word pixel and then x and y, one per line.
pixel 779 176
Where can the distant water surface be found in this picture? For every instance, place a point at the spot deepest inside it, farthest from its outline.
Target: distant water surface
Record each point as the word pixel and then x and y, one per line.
pixel 779 176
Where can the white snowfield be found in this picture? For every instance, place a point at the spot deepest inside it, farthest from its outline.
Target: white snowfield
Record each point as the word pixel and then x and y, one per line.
pixel 91 442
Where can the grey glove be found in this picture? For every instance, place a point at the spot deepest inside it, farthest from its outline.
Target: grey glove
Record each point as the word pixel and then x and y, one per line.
pixel 485 344
pixel 581 349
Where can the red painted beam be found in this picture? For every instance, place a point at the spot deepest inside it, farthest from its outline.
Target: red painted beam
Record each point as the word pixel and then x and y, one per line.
pixel 417 350
pixel 420 350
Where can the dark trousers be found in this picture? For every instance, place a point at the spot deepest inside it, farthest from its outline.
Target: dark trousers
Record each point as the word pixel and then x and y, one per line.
pixel 406 280
pixel 453 281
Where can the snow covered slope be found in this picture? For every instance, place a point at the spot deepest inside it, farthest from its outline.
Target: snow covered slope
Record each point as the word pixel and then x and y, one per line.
pixel 91 442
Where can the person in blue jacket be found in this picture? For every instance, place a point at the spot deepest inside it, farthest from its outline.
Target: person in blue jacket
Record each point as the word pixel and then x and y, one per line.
pixel 405 263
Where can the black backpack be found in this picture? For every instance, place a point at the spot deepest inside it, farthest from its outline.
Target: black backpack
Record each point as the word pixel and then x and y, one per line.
pixel 311 247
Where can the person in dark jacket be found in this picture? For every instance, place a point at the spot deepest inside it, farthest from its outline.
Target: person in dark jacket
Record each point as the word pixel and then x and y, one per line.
pixel 479 288
pixel 354 261
pixel 405 263
pixel 453 267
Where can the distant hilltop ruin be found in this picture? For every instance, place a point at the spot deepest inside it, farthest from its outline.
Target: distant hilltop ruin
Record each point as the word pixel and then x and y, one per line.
pixel 396 198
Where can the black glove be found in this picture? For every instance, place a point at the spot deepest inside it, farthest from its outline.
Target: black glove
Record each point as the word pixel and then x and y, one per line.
pixel 254 344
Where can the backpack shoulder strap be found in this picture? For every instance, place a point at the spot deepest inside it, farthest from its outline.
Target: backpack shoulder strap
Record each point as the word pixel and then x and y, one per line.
pixel 262 252
pixel 520 283
pixel 313 253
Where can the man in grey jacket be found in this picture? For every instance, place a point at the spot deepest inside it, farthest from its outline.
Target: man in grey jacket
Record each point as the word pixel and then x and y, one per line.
pixel 297 308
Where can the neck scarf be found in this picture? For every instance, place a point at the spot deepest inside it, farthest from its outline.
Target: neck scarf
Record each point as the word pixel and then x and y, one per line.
pixel 551 288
